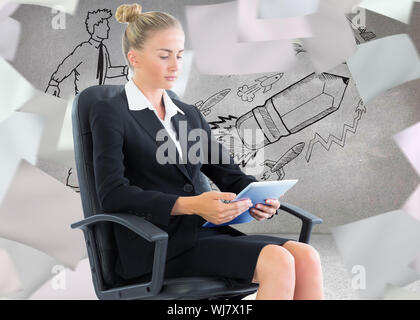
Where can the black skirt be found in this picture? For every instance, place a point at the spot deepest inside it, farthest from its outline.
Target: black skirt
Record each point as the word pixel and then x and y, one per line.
pixel 219 252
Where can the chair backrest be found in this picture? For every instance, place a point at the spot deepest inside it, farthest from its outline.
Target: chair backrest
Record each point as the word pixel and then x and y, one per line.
pixel 82 138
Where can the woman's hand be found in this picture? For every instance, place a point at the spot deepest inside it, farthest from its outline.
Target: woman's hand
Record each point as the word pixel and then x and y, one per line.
pixel 210 207
pixel 263 211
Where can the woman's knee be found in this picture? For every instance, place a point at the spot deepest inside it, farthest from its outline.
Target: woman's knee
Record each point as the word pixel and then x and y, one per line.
pixel 274 262
pixel 305 256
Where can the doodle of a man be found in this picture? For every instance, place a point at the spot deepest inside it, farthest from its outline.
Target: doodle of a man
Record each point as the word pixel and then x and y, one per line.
pixel 92 52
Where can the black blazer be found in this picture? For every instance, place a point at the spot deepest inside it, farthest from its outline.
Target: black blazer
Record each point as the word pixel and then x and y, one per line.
pixel 129 178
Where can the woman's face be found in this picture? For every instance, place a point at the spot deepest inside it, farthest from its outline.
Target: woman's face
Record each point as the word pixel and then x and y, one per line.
pixel 158 63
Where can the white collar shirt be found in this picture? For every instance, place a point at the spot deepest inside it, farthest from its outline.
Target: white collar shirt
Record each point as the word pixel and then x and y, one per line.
pixel 137 101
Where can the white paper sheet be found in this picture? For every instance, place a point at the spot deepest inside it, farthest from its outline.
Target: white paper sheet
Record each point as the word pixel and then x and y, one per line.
pixel 216 48
pixel 67 284
pixel 68 6
pixel 334 40
pixel 276 9
pixel 395 9
pixel 9 38
pixel 9 278
pixel 345 6
pixel 412 204
pixel 12 81
pixel 408 141
pixel 52 110
pixel 7 9
pixel 382 64
pixel 414 27
pixel 397 293
pixel 252 29
pixel 38 211
pixel 383 246
pixel 55 155
pixel 33 266
pixel 20 137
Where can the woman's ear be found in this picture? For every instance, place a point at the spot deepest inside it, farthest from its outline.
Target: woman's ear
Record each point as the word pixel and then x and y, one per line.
pixel 133 57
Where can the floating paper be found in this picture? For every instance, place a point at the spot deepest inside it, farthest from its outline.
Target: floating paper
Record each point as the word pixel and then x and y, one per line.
pixel 38 211
pixel 276 9
pixel 396 9
pixel 333 42
pixel 20 136
pixel 34 267
pixel 7 9
pixel 252 29
pixel 383 64
pixel 68 6
pixel 345 6
pixel 216 48
pixel 414 28
pixel 68 285
pixel 397 293
pixel 9 278
pixel 9 38
pixel 55 154
pixel 379 250
pixel 12 82
pixel 412 205
pixel 52 110
pixel 408 141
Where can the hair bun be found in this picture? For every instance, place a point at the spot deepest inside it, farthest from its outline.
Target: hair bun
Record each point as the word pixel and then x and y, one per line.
pixel 126 13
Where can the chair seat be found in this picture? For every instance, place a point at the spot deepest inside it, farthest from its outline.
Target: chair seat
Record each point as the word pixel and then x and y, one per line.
pixel 195 288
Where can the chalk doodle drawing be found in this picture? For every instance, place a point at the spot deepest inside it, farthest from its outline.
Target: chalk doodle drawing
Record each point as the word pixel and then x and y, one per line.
pixel 277 166
pixel 298 106
pixel 301 104
pixel 298 48
pixel 247 93
pixel 326 144
pixel 69 175
pixel 360 34
pixel 206 106
pixel 92 52
pixel 223 130
pixel 283 114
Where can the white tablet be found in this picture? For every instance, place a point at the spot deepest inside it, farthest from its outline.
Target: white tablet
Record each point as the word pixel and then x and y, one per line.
pixel 258 192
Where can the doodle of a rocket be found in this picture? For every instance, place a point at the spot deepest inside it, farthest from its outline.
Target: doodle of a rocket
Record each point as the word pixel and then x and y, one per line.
pixel 267 82
pixel 277 167
pixel 205 106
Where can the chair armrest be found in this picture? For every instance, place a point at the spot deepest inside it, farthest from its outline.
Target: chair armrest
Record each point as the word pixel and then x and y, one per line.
pixel 308 220
pixel 146 230
pixel 139 225
pixel 300 213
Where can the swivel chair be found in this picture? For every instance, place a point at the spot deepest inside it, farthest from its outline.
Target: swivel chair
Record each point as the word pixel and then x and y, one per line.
pixel 98 232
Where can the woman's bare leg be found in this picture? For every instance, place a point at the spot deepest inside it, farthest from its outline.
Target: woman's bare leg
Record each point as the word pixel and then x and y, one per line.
pixel 309 278
pixel 275 273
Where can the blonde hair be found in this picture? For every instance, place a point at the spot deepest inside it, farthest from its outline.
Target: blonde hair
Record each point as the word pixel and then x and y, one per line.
pixel 141 25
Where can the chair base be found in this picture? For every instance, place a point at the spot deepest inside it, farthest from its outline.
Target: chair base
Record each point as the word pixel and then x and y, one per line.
pixel 204 288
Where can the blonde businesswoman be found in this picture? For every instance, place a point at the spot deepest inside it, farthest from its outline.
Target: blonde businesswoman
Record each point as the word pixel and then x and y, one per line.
pixel 130 177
